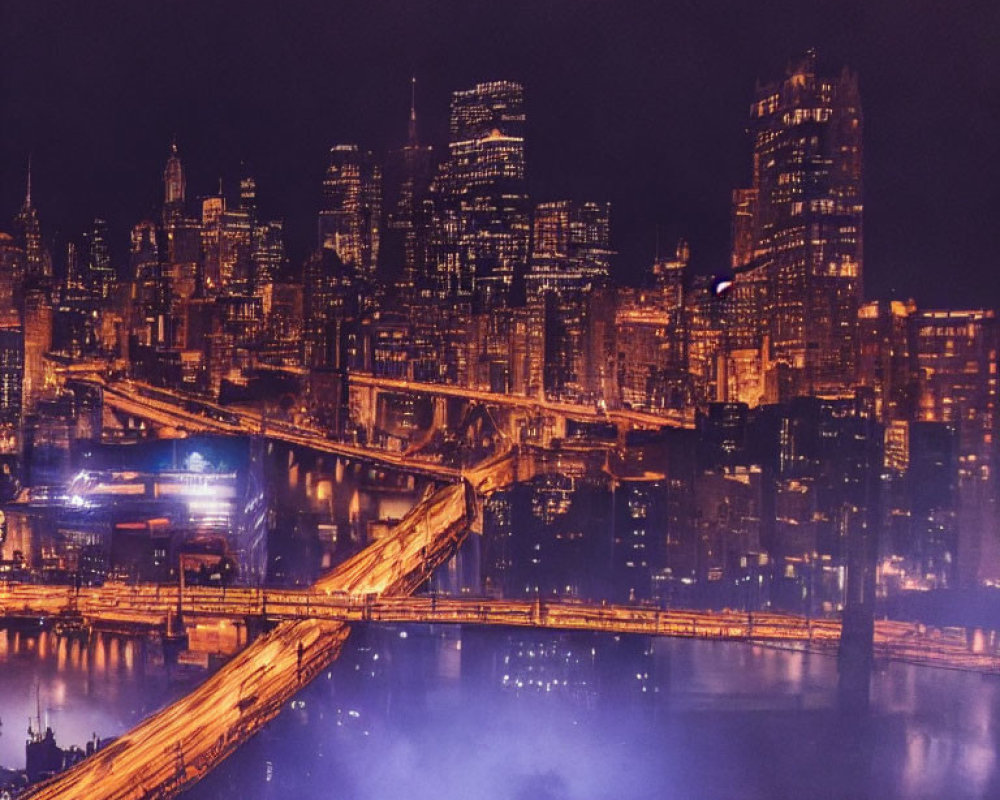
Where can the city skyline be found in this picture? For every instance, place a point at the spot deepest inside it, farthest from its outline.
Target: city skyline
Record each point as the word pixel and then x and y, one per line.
pixel 374 102
pixel 602 323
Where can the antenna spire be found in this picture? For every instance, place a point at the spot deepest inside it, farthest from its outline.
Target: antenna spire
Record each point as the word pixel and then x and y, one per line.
pixel 27 195
pixel 413 111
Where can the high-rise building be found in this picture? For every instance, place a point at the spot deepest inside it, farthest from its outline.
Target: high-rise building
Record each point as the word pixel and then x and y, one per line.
pixel 804 211
pixel 329 303
pixel 11 382
pixel 11 277
pixel 886 362
pixel 268 253
pixel 144 252
pixel 28 235
pixel 212 209
pixel 174 187
pixel 571 256
pixel 37 342
pixel 100 275
pixel 652 368
pixel 483 217
pixel 572 246
pixel 350 217
pixel 408 174
pixel 235 246
pixel 957 360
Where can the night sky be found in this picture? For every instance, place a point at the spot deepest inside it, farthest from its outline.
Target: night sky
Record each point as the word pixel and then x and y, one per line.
pixel 640 103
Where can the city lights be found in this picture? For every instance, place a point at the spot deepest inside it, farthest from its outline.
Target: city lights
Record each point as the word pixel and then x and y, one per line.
pixel 487 376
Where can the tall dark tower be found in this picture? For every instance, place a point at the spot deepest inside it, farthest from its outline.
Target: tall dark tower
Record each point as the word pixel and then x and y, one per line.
pixel 28 235
pixel 484 218
pixel 804 218
pixel 411 138
pixel 408 174
pixel 174 188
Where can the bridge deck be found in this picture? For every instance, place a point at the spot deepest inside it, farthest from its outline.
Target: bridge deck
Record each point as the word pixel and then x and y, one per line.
pixel 175 416
pixel 152 605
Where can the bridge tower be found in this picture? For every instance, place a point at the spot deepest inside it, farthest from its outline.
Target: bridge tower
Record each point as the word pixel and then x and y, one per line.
pixel 856 654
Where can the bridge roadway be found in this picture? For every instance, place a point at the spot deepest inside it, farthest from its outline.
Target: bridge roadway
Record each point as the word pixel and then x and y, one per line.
pixel 128 397
pixel 588 413
pixel 150 604
pixel 178 745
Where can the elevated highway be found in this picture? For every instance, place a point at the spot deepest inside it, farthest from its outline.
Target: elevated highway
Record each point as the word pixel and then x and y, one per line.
pixel 128 397
pixel 628 418
pixel 178 745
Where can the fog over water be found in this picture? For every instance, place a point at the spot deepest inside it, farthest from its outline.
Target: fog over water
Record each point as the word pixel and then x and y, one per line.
pixel 498 714
pixel 432 717
pixel 421 712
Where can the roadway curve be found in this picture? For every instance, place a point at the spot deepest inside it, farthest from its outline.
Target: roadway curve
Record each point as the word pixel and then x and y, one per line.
pixel 178 745
pixel 131 400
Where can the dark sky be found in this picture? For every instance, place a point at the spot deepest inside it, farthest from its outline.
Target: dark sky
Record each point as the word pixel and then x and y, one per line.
pixel 640 103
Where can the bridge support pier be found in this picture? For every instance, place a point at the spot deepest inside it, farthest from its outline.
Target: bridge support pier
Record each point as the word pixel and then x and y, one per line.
pixel 855 660
pixel 440 415
pixel 857 636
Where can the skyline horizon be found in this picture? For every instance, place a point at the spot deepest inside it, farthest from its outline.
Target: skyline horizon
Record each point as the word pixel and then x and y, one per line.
pixel 666 174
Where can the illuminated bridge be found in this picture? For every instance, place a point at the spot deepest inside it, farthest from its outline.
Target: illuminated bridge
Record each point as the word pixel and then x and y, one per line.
pixel 171 413
pixel 154 605
pixel 362 383
pixel 179 744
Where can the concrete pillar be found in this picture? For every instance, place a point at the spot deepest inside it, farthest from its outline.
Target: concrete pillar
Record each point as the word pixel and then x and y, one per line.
pixel 440 405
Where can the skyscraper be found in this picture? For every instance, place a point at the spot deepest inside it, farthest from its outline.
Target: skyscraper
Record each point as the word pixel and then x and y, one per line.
pixel 11 382
pixel 174 187
pixel 212 208
pixel 28 235
pixel 100 276
pixel 803 215
pixel 350 217
pixel 571 255
pixel 483 217
pixel 572 245
pixel 408 175
pixel 957 358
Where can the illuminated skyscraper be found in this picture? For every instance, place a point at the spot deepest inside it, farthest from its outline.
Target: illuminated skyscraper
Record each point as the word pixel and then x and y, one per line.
pixel 803 215
pixel 143 252
pixel 572 246
pixel 957 359
pixel 28 234
pixel 100 275
pixel 212 208
pixel 11 277
pixel 174 187
pixel 330 301
pixel 483 224
pixel 349 220
pixel 268 253
pixel 236 238
pixel 885 360
pixel 11 382
pixel 571 256
pixel 37 342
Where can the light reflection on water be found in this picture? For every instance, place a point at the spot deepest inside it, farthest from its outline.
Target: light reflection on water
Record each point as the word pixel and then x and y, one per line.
pixel 430 718
pixel 83 684
pixel 596 717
